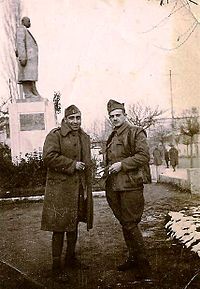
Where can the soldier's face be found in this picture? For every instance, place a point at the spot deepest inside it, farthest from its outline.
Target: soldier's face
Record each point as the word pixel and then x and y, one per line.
pixel 74 121
pixel 117 117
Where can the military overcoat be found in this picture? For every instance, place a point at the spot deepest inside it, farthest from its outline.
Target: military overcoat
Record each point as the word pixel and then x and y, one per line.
pixel 157 157
pixel 60 209
pixel 26 49
pixel 173 155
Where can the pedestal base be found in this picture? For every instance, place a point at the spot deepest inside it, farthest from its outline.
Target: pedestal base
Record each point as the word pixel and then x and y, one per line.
pixel 30 122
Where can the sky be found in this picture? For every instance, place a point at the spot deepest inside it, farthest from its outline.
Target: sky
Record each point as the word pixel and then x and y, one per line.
pixel 94 50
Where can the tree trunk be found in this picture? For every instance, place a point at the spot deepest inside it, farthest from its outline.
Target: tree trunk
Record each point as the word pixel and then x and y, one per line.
pixel 191 152
pixel 187 151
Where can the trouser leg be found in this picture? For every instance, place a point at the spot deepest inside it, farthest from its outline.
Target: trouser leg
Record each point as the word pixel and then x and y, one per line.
pixel 71 244
pixel 137 254
pixel 132 204
pixel 27 89
pixel 34 89
pixel 135 243
pixel 70 259
pixel 114 201
pixel 57 246
pixel 137 249
pixel 129 243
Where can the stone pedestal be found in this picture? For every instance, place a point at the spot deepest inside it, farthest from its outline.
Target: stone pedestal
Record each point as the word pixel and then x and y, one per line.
pixel 30 121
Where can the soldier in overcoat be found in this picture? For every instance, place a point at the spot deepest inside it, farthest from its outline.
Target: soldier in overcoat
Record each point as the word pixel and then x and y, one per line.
pixel 68 193
pixel 27 54
pixel 173 156
pixel 126 154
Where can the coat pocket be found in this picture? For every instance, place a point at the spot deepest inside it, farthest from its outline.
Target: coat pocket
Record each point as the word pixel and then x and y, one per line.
pixel 135 178
pixel 126 181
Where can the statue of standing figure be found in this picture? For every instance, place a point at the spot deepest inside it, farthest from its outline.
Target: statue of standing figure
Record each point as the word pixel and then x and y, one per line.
pixel 27 54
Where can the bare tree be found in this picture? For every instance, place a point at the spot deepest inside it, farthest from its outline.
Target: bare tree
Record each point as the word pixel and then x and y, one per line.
pixel 144 116
pixel 190 127
pixel 162 2
pixel 177 7
pixel 162 135
pixel 99 131
pixel 186 141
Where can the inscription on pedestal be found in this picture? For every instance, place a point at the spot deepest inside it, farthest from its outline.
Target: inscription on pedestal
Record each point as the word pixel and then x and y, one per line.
pixel 32 121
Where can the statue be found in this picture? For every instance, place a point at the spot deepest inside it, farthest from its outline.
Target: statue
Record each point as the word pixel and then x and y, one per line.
pixel 27 54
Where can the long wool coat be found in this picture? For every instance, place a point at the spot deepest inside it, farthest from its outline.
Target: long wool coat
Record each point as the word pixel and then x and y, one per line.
pixel 173 155
pixel 60 209
pixel 157 157
pixel 26 49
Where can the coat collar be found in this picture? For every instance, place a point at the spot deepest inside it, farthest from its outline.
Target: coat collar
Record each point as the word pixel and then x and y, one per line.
pixel 65 129
pixel 121 128
pixel 117 131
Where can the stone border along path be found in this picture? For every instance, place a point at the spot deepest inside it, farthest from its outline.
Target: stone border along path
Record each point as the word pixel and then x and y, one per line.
pixel 185 227
pixel 98 194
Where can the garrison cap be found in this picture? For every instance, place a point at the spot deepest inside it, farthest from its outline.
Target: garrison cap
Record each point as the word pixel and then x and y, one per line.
pixel 72 109
pixel 113 104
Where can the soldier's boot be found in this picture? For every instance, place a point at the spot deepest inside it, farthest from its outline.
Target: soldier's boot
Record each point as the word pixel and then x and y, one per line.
pixel 137 259
pixel 57 246
pixel 70 258
pixel 144 271
pixel 131 262
pixel 59 275
pixel 56 266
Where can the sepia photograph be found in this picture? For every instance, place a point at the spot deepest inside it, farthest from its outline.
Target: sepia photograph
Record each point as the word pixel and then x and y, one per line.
pixel 100 144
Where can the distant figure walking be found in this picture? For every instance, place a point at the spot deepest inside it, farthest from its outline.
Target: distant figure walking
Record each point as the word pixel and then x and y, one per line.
pixel 157 156
pixel 173 156
pixel 166 155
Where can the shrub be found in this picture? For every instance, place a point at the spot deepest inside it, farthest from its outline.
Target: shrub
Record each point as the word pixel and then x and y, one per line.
pixel 28 174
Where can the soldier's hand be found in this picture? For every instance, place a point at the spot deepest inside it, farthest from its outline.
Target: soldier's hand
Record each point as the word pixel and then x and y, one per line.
pixel 80 166
pixel 115 168
pixel 23 62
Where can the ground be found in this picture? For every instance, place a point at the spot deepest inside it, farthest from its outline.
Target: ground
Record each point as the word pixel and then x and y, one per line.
pixel 27 248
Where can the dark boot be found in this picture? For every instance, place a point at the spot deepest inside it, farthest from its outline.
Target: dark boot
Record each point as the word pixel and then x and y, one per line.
pixel 127 265
pixel 137 254
pixel 70 259
pixel 57 273
pixel 56 266
pixel 144 272
pixel 74 263
pixel 71 245
pixel 57 245
pixel 130 263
